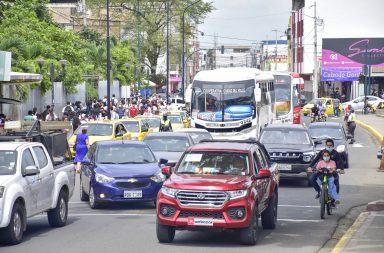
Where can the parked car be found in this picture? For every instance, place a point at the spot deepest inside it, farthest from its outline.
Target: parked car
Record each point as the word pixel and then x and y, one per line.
pixel 219 185
pixel 321 131
pixel 120 171
pixel 33 181
pixel 99 131
pixel 138 128
pixel 197 134
pixel 291 147
pixel 154 121
pixel 169 145
pixel 358 103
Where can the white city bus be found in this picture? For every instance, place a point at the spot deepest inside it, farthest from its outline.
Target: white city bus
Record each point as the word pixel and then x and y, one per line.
pixel 232 102
pixel 287 100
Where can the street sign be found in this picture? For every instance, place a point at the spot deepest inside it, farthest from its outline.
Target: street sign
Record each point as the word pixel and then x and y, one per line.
pixel 5 66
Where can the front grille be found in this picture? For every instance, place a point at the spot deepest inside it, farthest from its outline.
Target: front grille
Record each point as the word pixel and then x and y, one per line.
pixel 286 156
pixel 130 185
pixel 214 215
pixel 202 198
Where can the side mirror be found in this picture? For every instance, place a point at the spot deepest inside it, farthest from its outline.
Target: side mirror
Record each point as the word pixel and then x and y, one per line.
pixel 163 161
pixel 31 171
pixel 317 142
pixel 263 173
pixel 167 171
pixel 257 92
pixel 119 134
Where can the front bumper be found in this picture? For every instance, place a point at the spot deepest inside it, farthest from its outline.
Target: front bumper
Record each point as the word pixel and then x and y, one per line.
pixel 183 215
pixel 111 193
pixel 294 171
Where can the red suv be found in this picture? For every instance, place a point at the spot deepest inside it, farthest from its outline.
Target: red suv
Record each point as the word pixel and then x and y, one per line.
pixel 219 185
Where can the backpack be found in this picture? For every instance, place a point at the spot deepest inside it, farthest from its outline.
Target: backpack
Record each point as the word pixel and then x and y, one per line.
pixel 67 110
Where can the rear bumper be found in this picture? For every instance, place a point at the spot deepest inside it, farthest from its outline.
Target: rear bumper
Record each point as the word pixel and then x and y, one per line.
pixel 297 171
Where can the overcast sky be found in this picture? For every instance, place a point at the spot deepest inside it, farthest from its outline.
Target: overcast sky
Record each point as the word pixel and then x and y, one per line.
pixel 251 20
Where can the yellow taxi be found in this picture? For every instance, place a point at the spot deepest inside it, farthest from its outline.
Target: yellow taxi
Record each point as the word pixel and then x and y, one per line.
pixel 327 102
pixel 184 117
pixel 176 121
pixel 138 128
pixel 154 121
pixel 101 130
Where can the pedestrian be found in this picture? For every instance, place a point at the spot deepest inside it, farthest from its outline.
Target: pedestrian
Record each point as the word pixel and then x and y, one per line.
pixel 67 110
pixel 120 111
pixel 51 116
pixel 81 147
pixel 46 112
pixel 382 155
pixel 352 125
pixel 336 107
pixel 166 125
pixel 29 117
pixel 133 111
pixel 75 121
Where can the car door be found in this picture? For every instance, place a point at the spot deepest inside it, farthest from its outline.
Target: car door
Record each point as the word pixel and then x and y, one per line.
pixel 33 183
pixel 86 169
pixel 358 103
pixel 46 176
pixel 265 181
pixel 258 184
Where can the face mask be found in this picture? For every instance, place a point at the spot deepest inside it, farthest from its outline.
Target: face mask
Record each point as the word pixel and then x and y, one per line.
pixel 330 149
pixel 326 158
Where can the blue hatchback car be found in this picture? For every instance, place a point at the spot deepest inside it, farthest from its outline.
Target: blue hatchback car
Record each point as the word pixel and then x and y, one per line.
pixel 120 171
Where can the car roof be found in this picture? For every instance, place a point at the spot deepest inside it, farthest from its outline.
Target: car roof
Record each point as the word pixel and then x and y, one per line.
pixel 190 130
pixel 286 126
pixel 325 124
pixel 167 134
pixel 12 145
pixel 120 142
pixel 100 122
pixel 222 145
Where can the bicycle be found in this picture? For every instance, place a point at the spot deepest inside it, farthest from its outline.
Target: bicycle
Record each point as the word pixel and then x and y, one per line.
pixel 325 199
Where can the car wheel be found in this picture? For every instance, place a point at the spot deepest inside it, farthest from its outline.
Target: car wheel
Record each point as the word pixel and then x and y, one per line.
pixel 269 216
pixel 249 235
pixel 83 195
pixel 92 198
pixel 13 233
pixel 165 234
pixel 57 217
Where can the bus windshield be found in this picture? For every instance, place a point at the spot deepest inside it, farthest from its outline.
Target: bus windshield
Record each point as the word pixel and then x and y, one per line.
pixel 223 101
pixel 283 94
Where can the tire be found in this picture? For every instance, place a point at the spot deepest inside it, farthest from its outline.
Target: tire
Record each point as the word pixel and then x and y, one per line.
pixel 322 203
pixel 13 233
pixel 249 235
pixel 57 217
pixel 165 234
pixel 93 203
pixel 269 216
pixel 83 195
pixel 329 208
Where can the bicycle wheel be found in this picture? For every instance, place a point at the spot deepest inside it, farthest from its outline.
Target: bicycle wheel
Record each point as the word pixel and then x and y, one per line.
pixel 322 202
pixel 329 207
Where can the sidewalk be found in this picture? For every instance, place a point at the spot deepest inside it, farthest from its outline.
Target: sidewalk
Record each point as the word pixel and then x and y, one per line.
pixel 367 232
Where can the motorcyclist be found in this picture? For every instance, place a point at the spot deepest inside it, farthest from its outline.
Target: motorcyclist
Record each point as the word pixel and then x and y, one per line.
pixel 335 156
pixel 315 112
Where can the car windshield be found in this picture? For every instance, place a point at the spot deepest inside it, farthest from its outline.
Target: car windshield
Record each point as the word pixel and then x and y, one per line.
pixel 96 129
pixel 152 122
pixel 124 154
pixel 197 137
pixel 167 143
pixel 7 162
pixel 316 101
pixel 285 136
pixel 131 126
pixel 336 133
pixel 211 163
pixel 174 119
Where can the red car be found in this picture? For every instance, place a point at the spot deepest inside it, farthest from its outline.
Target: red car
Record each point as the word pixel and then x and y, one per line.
pixel 219 185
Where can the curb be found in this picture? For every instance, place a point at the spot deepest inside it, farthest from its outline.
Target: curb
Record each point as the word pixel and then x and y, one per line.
pixel 340 246
pixel 373 131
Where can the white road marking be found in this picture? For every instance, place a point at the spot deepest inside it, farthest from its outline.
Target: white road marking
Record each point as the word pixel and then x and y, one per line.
pixel 358 145
pixel 295 220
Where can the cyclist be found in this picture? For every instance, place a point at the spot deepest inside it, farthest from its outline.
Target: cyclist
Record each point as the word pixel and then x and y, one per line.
pixel 336 157
pixel 326 162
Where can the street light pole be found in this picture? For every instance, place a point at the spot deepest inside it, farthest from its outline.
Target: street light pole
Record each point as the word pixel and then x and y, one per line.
pixel 275 49
pixel 315 74
pixel 108 65
pixel 167 82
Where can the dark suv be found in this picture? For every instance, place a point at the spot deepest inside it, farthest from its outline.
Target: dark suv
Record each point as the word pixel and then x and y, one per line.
pixel 291 147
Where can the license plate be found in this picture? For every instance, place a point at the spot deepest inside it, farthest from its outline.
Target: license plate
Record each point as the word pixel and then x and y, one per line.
pixel 133 194
pixel 200 222
pixel 285 167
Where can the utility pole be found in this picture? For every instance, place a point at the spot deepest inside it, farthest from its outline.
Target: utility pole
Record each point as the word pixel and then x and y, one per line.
pixel 108 65
pixel 52 77
pixel 167 82
pixel 315 69
pixel 275 49
pixel 138 47
pixel 84 12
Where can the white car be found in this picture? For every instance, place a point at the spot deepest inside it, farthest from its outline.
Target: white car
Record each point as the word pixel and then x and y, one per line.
pixel 358 103
pixel 177 103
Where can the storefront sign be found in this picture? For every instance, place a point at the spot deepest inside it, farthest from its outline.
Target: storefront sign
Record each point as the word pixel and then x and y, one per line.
pixel 340 74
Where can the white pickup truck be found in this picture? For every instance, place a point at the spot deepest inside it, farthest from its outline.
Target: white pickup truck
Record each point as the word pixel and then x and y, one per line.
pixel 31 184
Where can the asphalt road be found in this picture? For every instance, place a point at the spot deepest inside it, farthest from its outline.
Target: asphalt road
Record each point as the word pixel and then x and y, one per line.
pixel 131 227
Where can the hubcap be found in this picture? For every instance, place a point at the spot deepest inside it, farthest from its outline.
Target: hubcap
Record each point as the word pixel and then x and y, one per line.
pixel 17 224
pixel 62 209
pixel 91 197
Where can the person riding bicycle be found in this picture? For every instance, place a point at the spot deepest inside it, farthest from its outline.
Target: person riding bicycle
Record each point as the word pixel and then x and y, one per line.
pixel 326 162
pixel 336 157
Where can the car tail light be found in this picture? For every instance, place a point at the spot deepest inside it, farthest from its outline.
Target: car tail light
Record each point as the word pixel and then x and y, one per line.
pixel 296 115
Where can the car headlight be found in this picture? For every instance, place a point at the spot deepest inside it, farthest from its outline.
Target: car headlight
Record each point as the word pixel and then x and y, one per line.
pixel 2 188
pixel 340 148
pixel 307 157
pixel 158 177
pixel 100 178
pixel 170 192
pixel 237 194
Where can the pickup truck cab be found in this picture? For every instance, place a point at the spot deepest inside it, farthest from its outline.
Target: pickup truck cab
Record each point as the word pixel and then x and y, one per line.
pixel 219 185
pixel 32 181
